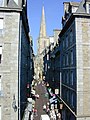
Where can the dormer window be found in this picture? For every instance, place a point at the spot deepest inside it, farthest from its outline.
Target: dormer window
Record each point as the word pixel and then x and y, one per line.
pixel 89 8
pixel 1 3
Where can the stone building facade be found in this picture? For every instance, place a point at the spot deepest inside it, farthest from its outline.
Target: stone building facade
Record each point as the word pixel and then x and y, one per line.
pixel 72 57
pixel 52 60
pixel 75 61
pixel 14 58
pixel 52 71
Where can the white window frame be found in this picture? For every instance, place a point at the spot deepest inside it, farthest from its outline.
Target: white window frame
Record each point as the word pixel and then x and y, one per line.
pixel 88 8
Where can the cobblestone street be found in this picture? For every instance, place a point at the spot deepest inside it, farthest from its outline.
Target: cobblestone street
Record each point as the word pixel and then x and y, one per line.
pixel 41 90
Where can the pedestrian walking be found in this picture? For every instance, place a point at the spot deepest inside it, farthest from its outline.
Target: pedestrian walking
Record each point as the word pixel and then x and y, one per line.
pixel 59 116
pixel 48 111
pixel 44 107
pixel 35 112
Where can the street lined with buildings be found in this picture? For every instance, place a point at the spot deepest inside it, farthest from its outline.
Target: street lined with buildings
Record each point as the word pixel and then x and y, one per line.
pixel 56 81
pixel 41 101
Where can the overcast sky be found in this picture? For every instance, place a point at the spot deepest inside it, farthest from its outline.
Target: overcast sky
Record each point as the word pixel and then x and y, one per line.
pixel 53 15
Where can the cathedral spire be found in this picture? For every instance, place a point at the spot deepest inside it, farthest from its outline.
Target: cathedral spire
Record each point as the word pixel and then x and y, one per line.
pixel 43 24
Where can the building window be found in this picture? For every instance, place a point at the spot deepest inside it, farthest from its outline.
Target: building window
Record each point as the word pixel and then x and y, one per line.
pixel 63 60
pixel 72 100
pixel 63 44
pixel 1 25
pixel 67 77
pixel 63 76
pixel 67 41
pixel 1 3
pixel 89 8
pixel 71 57
pixel 0 83
pixel 67 95
pixel 72 78
pixel 0 53
pixel 67 59
pixel 71 37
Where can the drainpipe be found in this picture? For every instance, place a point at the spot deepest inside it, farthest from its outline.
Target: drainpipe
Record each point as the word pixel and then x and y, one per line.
pixel 19 68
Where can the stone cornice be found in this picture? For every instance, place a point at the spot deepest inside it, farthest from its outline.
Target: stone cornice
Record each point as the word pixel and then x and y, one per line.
pixel 70 20
pixel 6 9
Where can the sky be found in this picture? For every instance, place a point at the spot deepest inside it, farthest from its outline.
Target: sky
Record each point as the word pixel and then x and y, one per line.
pixel 53 16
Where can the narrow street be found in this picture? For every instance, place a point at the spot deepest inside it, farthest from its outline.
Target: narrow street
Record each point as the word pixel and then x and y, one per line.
pixel 43 99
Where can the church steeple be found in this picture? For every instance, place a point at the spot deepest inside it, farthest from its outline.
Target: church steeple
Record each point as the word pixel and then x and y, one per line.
pixel 43 25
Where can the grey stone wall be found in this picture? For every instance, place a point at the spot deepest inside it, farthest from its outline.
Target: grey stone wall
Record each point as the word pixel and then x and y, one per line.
pixel 9 65
pixel 83 67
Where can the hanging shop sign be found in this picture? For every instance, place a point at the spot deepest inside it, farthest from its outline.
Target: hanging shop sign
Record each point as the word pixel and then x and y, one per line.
pixel 53 99
pixel 52 106
pixel 56 91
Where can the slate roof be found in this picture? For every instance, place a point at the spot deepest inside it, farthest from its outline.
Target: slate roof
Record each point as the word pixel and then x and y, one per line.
pixel 74 3
pixel 12 4
pixel 81 8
